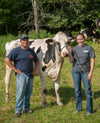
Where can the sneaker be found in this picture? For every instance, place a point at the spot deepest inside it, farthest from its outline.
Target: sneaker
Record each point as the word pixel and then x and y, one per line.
pixel 17 115
pixel 75 112
pixel 88 113
pixel 28 111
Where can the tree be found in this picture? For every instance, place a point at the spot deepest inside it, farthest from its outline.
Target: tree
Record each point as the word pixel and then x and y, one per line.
pixel 34 4
pixel 52 15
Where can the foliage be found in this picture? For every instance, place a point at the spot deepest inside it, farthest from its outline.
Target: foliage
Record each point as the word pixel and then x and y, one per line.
pixel 32 35
pixel 3 40
pixel 52 113
pixel 18 15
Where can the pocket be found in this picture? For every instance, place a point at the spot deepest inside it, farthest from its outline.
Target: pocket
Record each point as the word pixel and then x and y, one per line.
pixel 18 75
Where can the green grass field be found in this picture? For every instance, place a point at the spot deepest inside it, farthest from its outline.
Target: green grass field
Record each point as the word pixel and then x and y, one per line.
pixel 53 113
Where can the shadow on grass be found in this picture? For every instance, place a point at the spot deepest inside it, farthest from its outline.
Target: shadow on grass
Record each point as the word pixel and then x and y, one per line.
pixel 96 94
pixel 67 94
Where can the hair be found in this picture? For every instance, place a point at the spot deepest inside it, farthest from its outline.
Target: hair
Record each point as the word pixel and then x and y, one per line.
pixel 81 35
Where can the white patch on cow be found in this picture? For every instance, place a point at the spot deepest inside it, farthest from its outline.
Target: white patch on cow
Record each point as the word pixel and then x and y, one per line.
pixel 11 45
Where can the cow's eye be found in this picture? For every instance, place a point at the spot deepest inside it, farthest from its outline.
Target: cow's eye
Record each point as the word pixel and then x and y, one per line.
pixel 67 44
pixel 58 45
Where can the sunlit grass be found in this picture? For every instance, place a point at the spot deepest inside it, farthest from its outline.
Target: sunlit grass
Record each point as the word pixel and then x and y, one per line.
pixel 53 113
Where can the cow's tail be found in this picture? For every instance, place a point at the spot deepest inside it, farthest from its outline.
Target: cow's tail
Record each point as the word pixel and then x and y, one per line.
pixel 6 45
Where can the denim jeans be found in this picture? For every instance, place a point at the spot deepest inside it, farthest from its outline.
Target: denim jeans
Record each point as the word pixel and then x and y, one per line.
pixel 24 90
pixel 77 77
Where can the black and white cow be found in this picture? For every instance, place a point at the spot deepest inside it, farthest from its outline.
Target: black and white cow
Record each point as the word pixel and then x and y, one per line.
pixel 51 53
pixel 91 33
pixel 97 23
pixel 71 39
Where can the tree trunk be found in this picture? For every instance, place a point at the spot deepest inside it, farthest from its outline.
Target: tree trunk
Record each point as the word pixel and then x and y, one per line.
pixel 35 16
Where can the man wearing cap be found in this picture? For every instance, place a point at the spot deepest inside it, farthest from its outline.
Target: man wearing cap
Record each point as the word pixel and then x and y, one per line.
pixel 23 58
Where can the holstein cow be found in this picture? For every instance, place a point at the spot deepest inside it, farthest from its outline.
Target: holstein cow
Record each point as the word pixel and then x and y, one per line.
pixel 50 53
pixel 91 33
pixel 97 22
pixel 71 39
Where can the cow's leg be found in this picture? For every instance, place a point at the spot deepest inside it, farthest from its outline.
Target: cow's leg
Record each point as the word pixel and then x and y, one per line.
pixel 57 88
pixel 94 40
pixel 7 81
pixel 44 89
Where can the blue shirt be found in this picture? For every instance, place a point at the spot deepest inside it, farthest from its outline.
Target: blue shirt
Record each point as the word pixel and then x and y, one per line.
pixel 23 59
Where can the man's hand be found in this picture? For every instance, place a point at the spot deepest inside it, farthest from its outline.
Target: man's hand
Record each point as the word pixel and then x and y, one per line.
pixel 17 71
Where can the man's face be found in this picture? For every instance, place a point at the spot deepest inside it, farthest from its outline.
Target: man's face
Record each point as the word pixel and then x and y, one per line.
pixel 24 43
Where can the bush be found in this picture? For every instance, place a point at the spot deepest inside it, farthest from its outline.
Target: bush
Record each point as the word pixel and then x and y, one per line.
pixel 32 35
pixel 3 40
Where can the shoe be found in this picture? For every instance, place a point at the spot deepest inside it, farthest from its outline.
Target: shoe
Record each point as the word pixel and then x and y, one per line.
pixel 88 113
pixel 28 111
pixel 17 115
pixel 75 112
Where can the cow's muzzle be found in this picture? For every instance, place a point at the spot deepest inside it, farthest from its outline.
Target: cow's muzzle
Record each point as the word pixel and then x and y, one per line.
pixel 65 54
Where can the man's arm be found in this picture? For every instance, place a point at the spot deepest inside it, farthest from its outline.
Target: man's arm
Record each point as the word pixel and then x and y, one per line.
pixel 9 63
pixel 35 68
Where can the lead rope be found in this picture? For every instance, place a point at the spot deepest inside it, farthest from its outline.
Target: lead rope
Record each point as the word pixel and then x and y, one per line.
pixel 90 85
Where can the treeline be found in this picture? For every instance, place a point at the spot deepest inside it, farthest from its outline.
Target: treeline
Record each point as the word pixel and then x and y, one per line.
pixel 53 15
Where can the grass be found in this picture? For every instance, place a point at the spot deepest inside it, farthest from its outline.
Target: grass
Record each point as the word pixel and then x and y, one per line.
pixel 53 113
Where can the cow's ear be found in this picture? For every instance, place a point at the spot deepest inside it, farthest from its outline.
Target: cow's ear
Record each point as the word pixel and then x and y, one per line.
pixel 48 41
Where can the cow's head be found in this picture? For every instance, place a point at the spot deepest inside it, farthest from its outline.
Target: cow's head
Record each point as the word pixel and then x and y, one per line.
pixel 53 52
pixel 62 41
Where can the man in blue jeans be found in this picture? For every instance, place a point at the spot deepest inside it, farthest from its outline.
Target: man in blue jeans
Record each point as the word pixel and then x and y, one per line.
pixel 23 58
pixel 83 58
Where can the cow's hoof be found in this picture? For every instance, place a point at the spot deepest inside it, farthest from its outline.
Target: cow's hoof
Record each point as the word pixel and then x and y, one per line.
pixel 60 104
pixel 44 105
pixel 6 98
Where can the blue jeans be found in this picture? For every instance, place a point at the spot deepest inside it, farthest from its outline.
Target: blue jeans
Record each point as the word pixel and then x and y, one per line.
pixel 77 77
pixel 24 90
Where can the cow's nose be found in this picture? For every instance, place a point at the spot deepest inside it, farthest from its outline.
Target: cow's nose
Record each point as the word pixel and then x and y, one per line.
pixel 65 54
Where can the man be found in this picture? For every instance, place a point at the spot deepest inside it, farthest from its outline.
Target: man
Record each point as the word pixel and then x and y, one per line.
pixel 23 58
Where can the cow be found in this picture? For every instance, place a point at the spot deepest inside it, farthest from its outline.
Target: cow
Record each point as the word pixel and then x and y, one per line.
pixel 97 23
pixel 71 39
pixel 50 53
pixel 91 33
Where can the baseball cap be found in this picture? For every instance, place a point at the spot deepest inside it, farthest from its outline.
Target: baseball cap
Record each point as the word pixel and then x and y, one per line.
pixel 24 36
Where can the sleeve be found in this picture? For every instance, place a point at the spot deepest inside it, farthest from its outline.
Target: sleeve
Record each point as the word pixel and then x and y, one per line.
pixel 11 55
pixel 91 52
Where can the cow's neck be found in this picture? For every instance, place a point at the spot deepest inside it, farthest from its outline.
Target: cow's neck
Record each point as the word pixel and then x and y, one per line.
pixel 53 69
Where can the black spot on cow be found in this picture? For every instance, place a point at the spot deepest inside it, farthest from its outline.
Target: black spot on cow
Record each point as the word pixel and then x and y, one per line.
pixel 38 50
pixel 43 68
pixel 50 53
pixel 89 32
pixel 49 40
pixel 33 48
pixel 59 46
